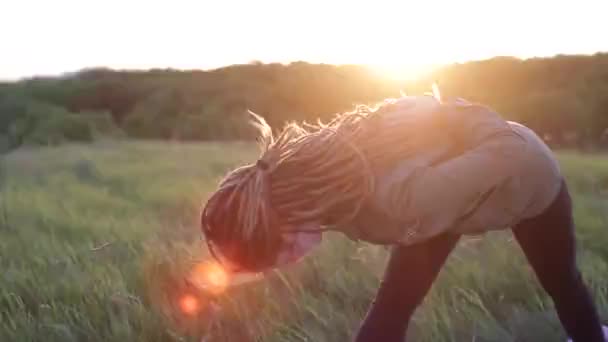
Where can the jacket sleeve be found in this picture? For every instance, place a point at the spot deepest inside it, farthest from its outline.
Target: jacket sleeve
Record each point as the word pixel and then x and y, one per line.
pixel 431 199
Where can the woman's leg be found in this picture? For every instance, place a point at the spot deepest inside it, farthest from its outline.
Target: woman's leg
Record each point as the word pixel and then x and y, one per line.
pixel 548 242
pixel 408 277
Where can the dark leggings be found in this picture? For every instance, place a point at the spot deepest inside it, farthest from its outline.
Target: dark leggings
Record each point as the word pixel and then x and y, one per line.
pixel 549 245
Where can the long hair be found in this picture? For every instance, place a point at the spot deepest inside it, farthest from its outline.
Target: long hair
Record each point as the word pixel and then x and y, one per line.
pixel 309 173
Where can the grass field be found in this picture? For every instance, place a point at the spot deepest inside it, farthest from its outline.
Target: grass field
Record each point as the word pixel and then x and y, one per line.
pixel 95 243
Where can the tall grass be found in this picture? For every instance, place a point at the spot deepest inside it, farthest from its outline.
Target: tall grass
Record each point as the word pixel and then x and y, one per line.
pixel 96 242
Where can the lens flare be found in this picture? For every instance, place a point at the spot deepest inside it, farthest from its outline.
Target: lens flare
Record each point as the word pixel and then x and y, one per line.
pixel 210 277
pixel 189 304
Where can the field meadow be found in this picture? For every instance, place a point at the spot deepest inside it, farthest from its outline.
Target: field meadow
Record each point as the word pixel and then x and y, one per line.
pixel 96 242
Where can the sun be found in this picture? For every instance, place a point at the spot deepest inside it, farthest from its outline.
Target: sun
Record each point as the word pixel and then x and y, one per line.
pixel 395 71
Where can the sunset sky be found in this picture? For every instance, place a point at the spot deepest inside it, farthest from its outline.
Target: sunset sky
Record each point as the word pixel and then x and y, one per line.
pixel 50 37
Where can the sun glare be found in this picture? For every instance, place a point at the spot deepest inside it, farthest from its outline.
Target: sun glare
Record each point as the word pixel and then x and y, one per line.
pixel 189 304
pixel 210 277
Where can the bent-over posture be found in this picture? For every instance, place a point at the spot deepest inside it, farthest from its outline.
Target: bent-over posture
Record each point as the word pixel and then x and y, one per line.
pixel 415 173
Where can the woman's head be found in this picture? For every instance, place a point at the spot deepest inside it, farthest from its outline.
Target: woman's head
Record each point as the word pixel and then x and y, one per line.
pixel 245 233
pixel 272 211
pixel 308 178
pixel 229 232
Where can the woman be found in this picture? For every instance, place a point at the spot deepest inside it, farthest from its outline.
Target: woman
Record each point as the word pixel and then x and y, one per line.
pixel 415 173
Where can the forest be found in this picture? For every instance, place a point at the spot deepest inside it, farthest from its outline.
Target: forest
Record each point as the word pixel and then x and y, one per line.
pixel 563 98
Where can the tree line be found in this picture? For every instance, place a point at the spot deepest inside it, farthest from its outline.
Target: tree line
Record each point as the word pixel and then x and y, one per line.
pixel 563 98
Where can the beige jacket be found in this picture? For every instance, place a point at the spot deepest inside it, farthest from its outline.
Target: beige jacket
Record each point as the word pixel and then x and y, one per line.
pixel 475 174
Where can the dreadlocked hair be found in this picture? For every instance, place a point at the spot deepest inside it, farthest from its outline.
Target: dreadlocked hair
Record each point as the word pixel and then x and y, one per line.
pixel 308 173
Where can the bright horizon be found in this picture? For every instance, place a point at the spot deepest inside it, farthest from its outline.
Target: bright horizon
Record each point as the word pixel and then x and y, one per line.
pixel 41 38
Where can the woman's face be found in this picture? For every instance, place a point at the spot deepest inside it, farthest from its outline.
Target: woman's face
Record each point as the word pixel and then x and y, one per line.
pixel 297 244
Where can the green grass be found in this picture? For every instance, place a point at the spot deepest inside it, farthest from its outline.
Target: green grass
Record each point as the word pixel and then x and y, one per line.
pixel 95 243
